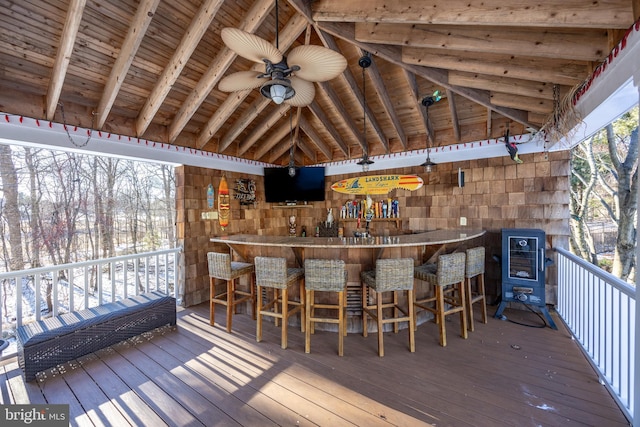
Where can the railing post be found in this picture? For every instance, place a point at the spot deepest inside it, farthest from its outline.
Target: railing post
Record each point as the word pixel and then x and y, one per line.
pixel 636 381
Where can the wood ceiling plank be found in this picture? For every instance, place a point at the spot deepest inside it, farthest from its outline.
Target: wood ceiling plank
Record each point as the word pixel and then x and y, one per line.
pixel 556 43
pixel 133 39
pixel 542 70
pixel 171 72
pixel 63 55
pixel 253 18
pixel 383 94
pixel 315 137
pixel 543 13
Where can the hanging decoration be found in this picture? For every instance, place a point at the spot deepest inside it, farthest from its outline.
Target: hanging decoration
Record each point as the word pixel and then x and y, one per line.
pixel 245 191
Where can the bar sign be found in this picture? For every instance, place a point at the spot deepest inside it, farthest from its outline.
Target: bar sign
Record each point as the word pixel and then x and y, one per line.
pixel 35 415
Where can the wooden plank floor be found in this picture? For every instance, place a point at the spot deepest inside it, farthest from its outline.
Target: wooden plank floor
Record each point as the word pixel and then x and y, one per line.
pixel 503 375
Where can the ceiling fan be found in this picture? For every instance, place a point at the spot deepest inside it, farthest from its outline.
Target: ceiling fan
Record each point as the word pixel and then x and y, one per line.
pixel 286 79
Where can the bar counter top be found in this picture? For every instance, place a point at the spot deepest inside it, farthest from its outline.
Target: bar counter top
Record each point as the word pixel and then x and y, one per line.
pixel 435 237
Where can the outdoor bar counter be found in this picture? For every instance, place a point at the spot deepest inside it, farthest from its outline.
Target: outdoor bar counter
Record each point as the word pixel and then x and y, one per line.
pixel 359 253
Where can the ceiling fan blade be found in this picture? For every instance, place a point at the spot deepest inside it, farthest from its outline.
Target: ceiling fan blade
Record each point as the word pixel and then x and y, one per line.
pixel 241 80
pixel 305 92
pixel 317 63
pixel 250 46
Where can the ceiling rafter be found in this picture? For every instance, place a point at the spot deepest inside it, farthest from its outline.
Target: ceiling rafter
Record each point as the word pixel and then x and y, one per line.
pixel 63 56
pixel 266 124
pixel 383 94
pixel 574 44
pixel 315 138
pixel 178 61
pixel 454 115
pixel 329 127
pixel 543 13
pixel 136 32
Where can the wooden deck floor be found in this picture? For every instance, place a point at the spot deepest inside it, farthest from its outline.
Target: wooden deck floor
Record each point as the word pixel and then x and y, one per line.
pixel 503 375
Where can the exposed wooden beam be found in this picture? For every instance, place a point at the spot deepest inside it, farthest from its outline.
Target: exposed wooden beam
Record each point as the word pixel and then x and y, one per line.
pixel 243 121
pixel 135 34
pixel 567 73
pixel 253 18
pixel 171 72
pixel 315 138
pixel 454 115
pixel 329 127
pixel 536 105
pixel 502 84
pixel 342 112
pixel 489 123
pixel 307 150
pixel 261 128
pixel 417 99
pixel 543 13
pixel 287 36
pixel 439 77
pixel 574 44
pixel 63 55
pixel 383 94
pixel 266 144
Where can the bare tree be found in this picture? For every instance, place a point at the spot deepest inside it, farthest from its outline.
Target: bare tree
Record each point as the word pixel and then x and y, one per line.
pixel 605 176
pixel 11 209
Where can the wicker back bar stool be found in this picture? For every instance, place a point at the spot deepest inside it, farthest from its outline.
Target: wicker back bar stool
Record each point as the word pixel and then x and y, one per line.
pixel 475 268
pixel 325 275
pixel 273 275
pixel 221 267
pixel 390 275
pixel 448 279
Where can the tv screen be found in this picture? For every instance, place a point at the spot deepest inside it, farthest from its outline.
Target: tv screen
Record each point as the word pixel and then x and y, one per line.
pixel 307 185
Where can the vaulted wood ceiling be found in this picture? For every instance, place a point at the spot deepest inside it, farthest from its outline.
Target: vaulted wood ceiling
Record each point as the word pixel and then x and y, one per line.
pixel 151 68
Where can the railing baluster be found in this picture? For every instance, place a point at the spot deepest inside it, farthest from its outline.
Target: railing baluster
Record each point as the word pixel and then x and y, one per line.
pixel 599 310
pixel 37 277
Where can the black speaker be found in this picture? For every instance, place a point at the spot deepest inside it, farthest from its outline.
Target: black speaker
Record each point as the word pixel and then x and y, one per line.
pixel 460 177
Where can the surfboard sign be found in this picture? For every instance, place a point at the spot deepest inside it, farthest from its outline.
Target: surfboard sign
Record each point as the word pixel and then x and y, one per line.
pixel 377 184
pixel 224 205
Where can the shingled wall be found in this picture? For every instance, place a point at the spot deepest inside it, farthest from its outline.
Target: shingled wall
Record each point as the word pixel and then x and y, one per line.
pixel 498 193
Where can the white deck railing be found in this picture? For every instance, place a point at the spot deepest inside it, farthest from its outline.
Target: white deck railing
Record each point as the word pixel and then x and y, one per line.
pixel 30 295
pixel 599 310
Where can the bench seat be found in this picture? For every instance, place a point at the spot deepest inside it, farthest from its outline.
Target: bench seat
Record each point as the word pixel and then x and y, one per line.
pixel 49 342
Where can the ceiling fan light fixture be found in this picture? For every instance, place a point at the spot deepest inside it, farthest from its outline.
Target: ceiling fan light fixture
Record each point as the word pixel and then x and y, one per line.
pixel 278 90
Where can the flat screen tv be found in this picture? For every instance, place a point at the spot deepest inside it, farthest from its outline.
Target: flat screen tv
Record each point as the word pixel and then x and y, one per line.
pixel 307 185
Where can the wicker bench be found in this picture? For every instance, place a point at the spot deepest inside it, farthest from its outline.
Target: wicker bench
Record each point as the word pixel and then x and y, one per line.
pixel 59 339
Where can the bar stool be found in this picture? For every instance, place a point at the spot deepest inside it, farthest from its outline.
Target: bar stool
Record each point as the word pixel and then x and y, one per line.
pixel 475 268
pixel 390 275
pixel 272 273
pixel 325 275
pixel 448 279
pixel 221 267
